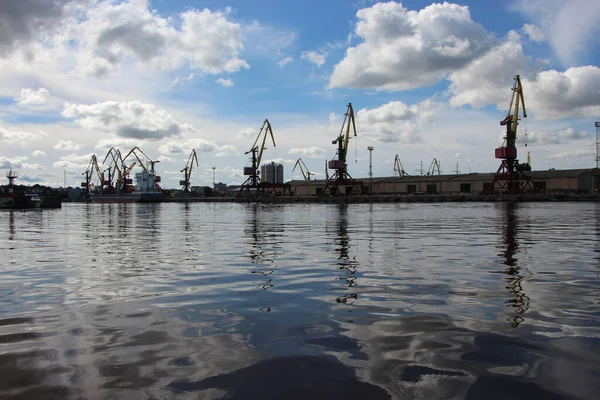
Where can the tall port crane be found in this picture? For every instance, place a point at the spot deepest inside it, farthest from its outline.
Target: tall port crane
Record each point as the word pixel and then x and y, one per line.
pixel 187 171
pixel 144 165
pixel 303 169
pixel 340 182
pixel 89 172
pixel 254 181
pixel 117 162
pixel 510 177
pixel 398 168
pixel 435 166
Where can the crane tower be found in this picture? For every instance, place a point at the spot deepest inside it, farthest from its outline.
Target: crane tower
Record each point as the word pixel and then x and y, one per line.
pixel 510 177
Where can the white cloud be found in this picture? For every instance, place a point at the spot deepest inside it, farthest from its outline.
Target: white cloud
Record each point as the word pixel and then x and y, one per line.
pixel 285 61
pixel 390 112
pixel 393 122
pixel 114 34
pixel 21 138
pixel 120 143
pixel 573 93
pixel 404 49
pixel 30 97
pixel 77 162
pixel 312 152
pixel 313 57
pixel 571 26
pixel 534 33
pixel 38 153
pixel 106 36
pixel 486 79
pixel 571 154
pixel 171 147
pixel 225 82
pixel 246 133
pixel 17 163
pixel 67 145
pixel 132 119
pixel 561 137
pixel 22 21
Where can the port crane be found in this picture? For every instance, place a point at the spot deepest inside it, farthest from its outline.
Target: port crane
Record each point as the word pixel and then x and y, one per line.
pixel 340 182
pixel 510 177
pixel 398 168
pixel 187 171
pixel 303 169
pixel 117 162
pixel 254 181
pixel 435 166
pixel 143 164
pixel 89 172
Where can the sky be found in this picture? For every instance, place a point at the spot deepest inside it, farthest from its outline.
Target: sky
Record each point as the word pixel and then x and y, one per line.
pixel 426 80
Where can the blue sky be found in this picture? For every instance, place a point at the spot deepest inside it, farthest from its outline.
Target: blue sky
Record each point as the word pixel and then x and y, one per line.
pixel 426 80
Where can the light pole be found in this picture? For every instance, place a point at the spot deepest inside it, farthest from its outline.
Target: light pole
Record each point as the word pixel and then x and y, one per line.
pixel 214 185
pixel 370 148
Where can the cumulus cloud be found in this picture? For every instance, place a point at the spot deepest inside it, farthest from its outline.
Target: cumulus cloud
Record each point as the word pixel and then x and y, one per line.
pixel 17 163
pixel 225 82
pixel 573 93
pixel 30 97
pixel 313 57
pixel 133 120
pixel 404 49
pixel 67 145
pixel 534 33
pixel 201 146
pixel 571 26
pixel 77 162
pixel 312 152
pixel 387 113
pixel 112 34
pixel 38 153
pixel 18 137
pixel 22 21
pixel 561 137
pixel 393 122
pixel 282 63
pixel 571 154
pixel 486 79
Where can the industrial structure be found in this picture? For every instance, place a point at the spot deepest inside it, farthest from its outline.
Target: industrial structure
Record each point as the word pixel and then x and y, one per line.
pixel 272 173
pixel 254 186
pixel 510 177
pixel 303 169
pixel 549 181
pixel 341 182
pixel 187 171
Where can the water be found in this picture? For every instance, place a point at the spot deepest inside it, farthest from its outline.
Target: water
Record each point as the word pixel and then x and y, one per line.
pixel 369 301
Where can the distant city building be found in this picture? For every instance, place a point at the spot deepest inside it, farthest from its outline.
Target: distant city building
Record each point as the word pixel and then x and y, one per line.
pixel 271 173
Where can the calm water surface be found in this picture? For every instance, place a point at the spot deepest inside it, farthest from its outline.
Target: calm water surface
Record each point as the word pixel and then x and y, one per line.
pixel 369 301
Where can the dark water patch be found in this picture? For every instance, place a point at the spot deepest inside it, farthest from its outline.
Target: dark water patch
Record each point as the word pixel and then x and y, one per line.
pixel 414 373
pixel 16 321
pixel 301 377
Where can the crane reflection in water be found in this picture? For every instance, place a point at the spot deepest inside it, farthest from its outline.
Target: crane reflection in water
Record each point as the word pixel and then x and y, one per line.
pixel 345 262
pixel 257 252
pixel 514 278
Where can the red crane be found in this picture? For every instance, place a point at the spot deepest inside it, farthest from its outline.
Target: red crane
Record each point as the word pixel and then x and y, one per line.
pixel 510 177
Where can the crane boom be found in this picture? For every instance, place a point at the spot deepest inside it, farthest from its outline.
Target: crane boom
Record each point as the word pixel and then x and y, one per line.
pixel 344 137
pixel 187 170
pixel 306 175
pixel 398 168
pixel 267 130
